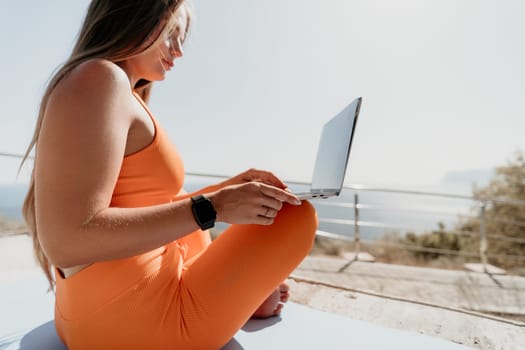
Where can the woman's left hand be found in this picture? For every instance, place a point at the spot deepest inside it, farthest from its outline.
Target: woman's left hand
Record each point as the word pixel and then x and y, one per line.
pixel 251 175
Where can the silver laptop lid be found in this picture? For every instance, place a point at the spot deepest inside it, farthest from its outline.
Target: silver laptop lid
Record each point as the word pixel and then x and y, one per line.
pixel 334 150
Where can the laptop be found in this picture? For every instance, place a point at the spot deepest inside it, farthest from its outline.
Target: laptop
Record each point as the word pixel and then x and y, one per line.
pixel 333 153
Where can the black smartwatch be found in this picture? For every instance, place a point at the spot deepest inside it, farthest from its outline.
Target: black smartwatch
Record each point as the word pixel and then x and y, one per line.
pixel 203 212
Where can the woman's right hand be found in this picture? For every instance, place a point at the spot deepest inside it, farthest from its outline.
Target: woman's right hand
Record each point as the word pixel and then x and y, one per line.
pixel 250 203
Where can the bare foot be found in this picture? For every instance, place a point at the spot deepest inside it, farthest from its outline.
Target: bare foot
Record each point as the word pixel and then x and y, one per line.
pixel 273 305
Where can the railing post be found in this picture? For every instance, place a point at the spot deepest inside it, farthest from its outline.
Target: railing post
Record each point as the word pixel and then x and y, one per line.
pixel 357 240
pixel 483 245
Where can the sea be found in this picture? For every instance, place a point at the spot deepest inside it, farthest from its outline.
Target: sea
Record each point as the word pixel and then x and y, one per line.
pixel 379 212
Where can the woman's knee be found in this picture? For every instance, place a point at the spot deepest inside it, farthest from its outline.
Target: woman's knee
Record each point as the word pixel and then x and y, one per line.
pixel 300 223
pixel 306 216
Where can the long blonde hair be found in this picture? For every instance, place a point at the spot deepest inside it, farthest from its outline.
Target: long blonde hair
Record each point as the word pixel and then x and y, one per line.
pixel 114 30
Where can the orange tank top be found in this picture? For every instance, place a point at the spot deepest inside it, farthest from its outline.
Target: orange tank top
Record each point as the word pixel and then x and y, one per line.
pixel 150 176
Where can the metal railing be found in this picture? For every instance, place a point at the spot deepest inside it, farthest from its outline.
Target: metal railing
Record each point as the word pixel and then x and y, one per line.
pixel 482 234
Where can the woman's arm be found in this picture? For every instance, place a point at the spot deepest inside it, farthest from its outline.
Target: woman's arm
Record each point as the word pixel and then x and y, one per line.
pixel 80 151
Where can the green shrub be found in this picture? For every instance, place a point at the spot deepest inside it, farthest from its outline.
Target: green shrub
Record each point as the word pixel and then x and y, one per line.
pixel 504 221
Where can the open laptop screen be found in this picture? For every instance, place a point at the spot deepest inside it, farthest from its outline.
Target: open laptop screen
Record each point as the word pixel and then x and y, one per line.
pixel 334 150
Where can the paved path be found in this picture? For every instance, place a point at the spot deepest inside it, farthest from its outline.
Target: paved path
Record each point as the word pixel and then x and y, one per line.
pixel 499 294
pixel 430 301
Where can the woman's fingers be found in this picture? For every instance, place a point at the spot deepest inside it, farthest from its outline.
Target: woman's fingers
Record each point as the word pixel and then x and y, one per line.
pixel 263 176
pixel 262 220
pixel 268 212
pixel 270 179
pixel 280 195
pixel 273 203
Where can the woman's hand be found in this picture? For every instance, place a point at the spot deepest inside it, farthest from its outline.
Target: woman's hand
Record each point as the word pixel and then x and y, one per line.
pixel 254 175
pixel 251 202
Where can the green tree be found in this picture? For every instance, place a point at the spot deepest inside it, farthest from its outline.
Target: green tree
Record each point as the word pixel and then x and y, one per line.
pixel 504 221
pixel 437 239
pixel 504 218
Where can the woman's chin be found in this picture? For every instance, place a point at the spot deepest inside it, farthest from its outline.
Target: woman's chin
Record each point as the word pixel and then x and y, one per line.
pixel 160 76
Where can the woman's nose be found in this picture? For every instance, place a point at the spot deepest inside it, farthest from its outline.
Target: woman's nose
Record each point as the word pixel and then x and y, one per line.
pixel 176 48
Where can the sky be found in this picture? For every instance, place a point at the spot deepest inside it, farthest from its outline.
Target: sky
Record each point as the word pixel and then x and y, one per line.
pixel 442 85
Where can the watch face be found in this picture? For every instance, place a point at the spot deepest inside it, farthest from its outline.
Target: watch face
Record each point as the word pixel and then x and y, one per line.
pixel 203 212
pixel 207 213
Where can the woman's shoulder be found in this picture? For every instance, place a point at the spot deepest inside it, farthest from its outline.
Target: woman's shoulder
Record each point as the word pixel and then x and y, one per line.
pixel 92 88
pixel 99 67
pixel 97 76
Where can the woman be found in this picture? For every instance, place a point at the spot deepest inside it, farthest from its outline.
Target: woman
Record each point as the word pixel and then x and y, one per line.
pixel 129 248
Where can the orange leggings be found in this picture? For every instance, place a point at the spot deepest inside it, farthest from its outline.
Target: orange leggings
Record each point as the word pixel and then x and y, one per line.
pixel 172 298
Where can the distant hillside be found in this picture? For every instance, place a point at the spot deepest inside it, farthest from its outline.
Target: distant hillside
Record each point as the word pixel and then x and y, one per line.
pixel 463 181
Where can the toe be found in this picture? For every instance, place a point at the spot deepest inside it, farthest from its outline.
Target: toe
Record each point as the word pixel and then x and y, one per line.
pixel 285 297
pixel 284 290
pixel 278 309
pixel 283 287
